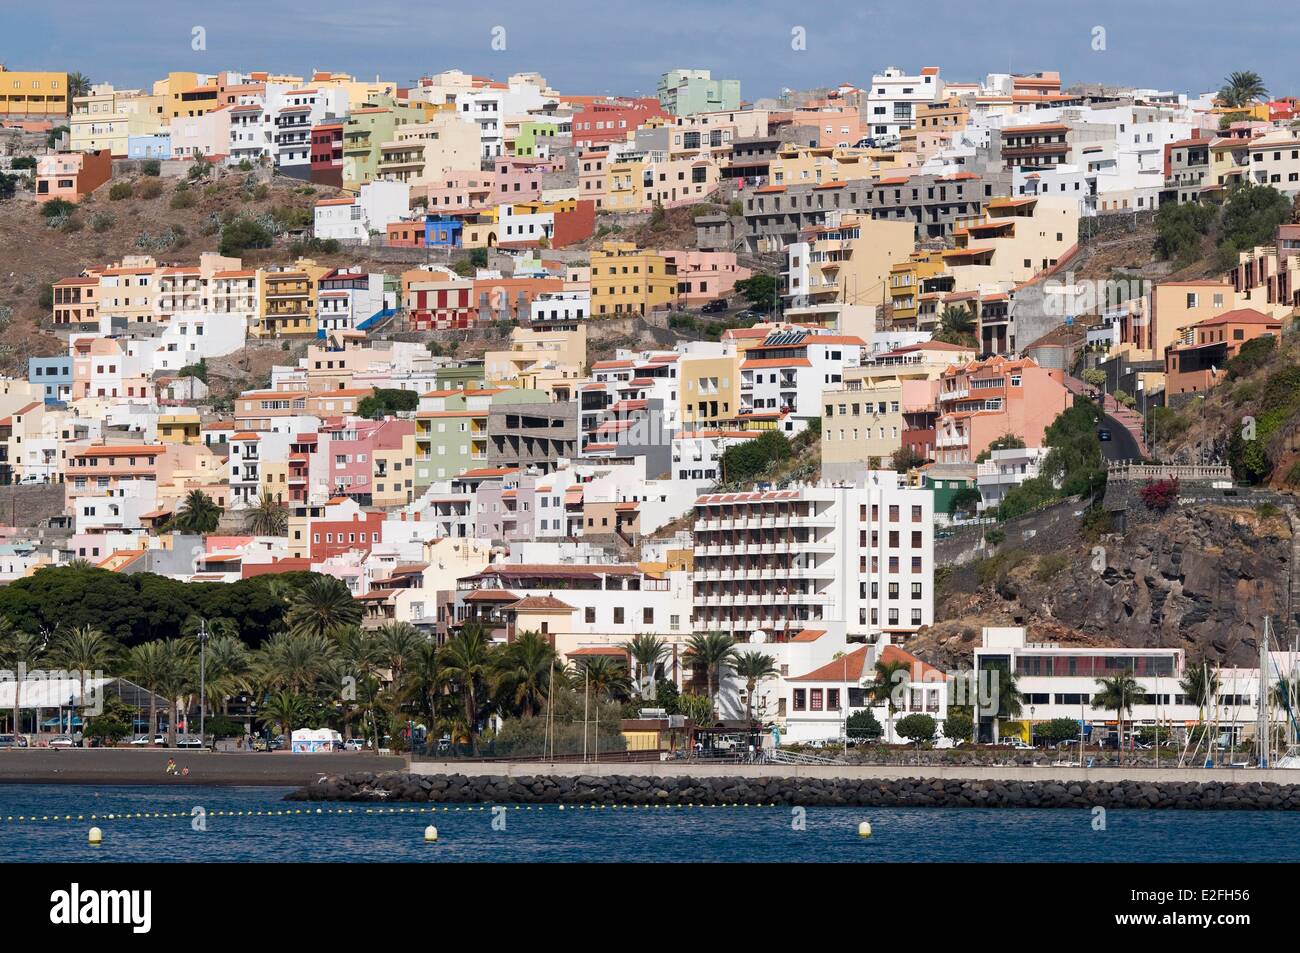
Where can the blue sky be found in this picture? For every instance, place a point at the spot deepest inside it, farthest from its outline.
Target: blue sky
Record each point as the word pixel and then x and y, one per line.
pixel 617 47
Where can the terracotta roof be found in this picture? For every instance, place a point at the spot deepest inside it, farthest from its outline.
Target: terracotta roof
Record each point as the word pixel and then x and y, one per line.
pixel 540 602
pixel 492 595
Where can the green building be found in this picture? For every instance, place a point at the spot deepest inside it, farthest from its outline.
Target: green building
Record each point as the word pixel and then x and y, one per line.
pixel 684 92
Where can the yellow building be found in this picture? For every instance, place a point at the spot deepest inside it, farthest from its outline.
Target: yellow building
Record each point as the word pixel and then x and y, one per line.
pixel 1016 239
pixel 287 300
pixel 107 118
pixel 708 391
pixel 800 165
pixel 394 474
pixel 847 261
pixel 33 94
pixel 182 427
pixel 274 482
pixel 922 273
pixel 629 280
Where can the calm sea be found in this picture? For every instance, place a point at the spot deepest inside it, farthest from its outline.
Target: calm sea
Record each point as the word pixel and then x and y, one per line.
pixel 389 833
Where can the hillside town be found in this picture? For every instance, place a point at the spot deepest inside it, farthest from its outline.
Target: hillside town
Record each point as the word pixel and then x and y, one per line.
pixel 699 399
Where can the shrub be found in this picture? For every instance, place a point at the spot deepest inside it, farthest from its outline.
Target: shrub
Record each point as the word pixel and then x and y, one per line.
pixel 916 728
pixel 151 167
pixel 1159 494
pixel 56 207
pixel 1057 730
pixel 1048 566
pixel 242 234
pixel 1094 522
pixel 183 199
pixel 996 568
pixel 959 725
pixel 863 724
pixel 120 190
pixel 101 222
pixel 150 189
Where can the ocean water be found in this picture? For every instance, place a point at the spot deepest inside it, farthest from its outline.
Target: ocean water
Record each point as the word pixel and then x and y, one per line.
pixel 395 832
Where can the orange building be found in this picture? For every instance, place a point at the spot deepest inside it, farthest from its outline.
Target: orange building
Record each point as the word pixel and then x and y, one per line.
pixel 983 400
pixel 1197 363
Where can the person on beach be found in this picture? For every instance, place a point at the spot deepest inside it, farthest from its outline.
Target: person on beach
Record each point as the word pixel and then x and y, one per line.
pixel 171 766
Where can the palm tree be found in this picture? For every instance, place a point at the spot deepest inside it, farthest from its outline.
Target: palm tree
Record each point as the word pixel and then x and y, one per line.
pixel 78 85
pixel 321 607
pixel 179 678
pixel 1242 88
pixel 357 659
pixel 1200 685
pixel 229 668
pixel 1010 703
pixel 714 651
pixel 397 643
pixel 198 515
pixel 466 660
pixel 647 651
pixel 425 681
pixel 1120 692
pixel 524 669
pixel 956 326
pixel 268 517
pixel 294 661
pixel 285 709
pixel 882 690
pixel 753 667
pixel 83 649
pixel 19 652
pixel 147 664
pixel 605 677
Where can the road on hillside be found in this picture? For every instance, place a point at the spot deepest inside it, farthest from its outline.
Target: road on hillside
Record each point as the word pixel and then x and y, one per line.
pixel 1122 445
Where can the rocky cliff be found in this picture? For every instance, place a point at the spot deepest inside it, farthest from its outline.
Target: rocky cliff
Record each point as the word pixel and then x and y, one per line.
pixel 1200 578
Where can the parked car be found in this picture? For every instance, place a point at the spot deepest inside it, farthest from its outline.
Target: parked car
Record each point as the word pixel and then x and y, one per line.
pixel 1018 744
pixel 749 314
pixel 714 306
pixel 62 741
pixel 13 741
pixel 354 744
pixel 189 741
pixel 259 744
pixel 159 740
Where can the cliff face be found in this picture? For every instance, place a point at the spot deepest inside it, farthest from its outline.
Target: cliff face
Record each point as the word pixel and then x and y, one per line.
pixel 1201 578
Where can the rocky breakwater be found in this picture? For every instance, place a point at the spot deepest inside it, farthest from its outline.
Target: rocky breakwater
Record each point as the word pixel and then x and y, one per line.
pixel 847 792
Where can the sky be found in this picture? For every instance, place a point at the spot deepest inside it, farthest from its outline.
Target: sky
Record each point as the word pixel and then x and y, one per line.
pixel 622 48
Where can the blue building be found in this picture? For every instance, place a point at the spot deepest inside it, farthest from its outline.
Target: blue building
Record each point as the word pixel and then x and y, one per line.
pixel 157 146
pixel 442 231
pixel 52 373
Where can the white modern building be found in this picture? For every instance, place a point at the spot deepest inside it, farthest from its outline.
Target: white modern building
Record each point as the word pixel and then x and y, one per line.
pixel 1004 470
pixel 377 205
pixel 785 560
pixel 894 97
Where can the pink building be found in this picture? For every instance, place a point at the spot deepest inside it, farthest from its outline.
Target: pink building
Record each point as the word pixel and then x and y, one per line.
pixel 72 176
pixel 705 275
pixel 98 370
pixel 983 400
pixel 519 180
pixel 458 192
pixel 350 447
pixel 207 136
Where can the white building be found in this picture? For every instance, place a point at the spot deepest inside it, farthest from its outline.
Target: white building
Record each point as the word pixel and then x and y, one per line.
pixel 1004 470
pixel 894 96
pixel 785 560
pixel 377 205
pixel 562 307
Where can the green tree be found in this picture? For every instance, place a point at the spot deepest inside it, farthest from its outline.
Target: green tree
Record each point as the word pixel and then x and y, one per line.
pixel 891 680
pixel 78 85
pixel 285 710
pixel 646 652
pixel 956 326
pixel 604 676
pixel 1057 730
pixel 1009 702
pixel 268 517
pixel 296 660
pixel 179 677
pixel 906 458
pixel 715 652
pixel 759 292
pixel 112 724
pixel 524 668
pixel 1242 88
pixel 862 724
pixel 1119 694
pixel 19 652
pixel 146 665
pixel 1008 441
pixel 321 607
pixel 698 709
pixel 199 514
pixel 1200 683
pixel 916 728
pixel 83 649
pixel 385 402
pixel 959 724
pixel 398 644
pixel 753 667
pixel 242 234
pixel 467 661
pixel 744 461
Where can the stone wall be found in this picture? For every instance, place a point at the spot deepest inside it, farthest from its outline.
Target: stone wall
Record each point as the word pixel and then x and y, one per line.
pixel 877 792
pixel 30 504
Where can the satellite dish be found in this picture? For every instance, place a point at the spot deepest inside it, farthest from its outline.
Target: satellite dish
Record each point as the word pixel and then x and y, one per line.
pixel 757 637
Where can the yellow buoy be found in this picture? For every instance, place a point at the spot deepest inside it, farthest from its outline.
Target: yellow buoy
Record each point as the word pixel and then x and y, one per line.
pixel 430 834
pixel 95 837
pixel 864 829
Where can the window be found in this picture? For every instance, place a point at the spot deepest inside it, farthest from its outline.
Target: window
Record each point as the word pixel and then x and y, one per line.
pixel 800 699
pixel 618 615
pixel 647 616
pixel 815 702
pixel 589 614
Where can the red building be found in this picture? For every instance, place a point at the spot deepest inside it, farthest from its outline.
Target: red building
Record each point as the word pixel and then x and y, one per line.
pixel 327 154
pixel 328 538
pixel 601 122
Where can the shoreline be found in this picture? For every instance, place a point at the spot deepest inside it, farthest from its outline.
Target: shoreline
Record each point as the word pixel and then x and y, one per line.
pixel 124 766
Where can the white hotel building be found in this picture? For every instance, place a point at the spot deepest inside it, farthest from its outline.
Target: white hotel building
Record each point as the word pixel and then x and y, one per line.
pixel 780 561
